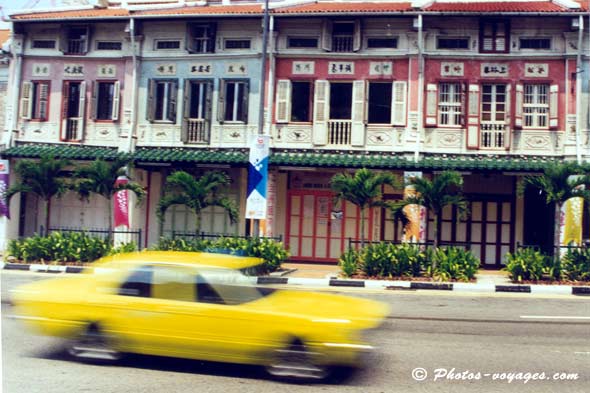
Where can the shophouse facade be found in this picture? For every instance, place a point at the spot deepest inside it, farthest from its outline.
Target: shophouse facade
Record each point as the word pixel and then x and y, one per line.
pixel 495 90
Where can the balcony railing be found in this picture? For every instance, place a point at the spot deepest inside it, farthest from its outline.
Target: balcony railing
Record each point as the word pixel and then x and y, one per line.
pixel 72 130
pixel 493 135
pixel 197 131
pixel 342 43
pixel 339 132
pixel 76 46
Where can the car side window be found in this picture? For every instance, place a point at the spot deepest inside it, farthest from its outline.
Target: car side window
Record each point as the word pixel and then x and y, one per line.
pixel 174 283
pixel 138 283
pixel 206 293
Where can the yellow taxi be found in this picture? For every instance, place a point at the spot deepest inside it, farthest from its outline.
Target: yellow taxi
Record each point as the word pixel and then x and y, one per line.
pixel 198 306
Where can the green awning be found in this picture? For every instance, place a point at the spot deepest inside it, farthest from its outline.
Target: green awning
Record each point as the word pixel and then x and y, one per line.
pixel 188 155
pixel 73 152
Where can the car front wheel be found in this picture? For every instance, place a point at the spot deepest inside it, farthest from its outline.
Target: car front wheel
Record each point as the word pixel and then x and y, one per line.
pixel 295 361
pixel 93 345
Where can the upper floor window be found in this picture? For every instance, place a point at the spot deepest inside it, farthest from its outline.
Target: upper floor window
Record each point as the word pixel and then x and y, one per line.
pixel 201 37
pixel 167 44
pixel 494 36
pixel 294 100
pixel 450 106
pixel 105 100
pixel 34 102
pixel 109 45
pixel 75 40
pixel 535 43
pixel 535 105
pixel 381 43
pixel 302 42
pixel 233 101
pixel 43 44
pixel 162 99
pixel 73 110
pixel 453 43
pixel 237 43
pixel 379 103
pixel 341 36
pixel 197 111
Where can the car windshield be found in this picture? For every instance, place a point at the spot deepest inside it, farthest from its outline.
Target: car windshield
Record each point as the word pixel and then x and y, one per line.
pixel 229 286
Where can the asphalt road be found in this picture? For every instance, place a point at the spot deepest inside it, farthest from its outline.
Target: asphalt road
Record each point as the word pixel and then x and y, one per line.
pixel 464 343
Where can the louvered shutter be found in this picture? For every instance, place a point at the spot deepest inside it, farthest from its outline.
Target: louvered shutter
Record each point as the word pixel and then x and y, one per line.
pixel 25 101
pixel 473 118
pixel 151 101
pixel 172 103
pixel 116 100
pixel 212 36
pixel 357 137
pixel 357 39
pixel 283 105
pixel 327 35
pixel 94 101
pixel 321 105
pixel 43 100
pixel 221 101
pixel 63 39
pixel 431 105
pixel 208 108
pixel 245 100
pixel 508 127
pixel 65 96
pixel 189 40
pixel 463 104
pixel 518 106
pixel 87 40
pixel 399 103
pixel 554 106
pixel 81 110
pixel 186 94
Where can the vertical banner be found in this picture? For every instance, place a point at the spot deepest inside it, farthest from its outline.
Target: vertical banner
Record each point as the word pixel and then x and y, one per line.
pixel 4 184
pixel 121 202
pixel 415 230
pixel 271 198
pixel 257 177
pixel 571 223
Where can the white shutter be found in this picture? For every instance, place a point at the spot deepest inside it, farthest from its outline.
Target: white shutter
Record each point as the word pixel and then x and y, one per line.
pixel 186 109
pixel 283 106
pixel 554 106
pixel 473 118
pixel 358 114
pixel 221 101
pixel 399 103
pixel 508 108
pixel 151 101
pixel 116 100
pixel 519 95
pixel 65 96
pixel 357 40
pixel 94 100
pixel 321 104
pixel 81 109
pixel 25 101
pixel 172 103
pixel 431 105
pixel 327 35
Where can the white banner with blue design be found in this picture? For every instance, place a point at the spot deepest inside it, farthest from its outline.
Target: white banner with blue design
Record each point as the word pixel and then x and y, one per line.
pixel 257 177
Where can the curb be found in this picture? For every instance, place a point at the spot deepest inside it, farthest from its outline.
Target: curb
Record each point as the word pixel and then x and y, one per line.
pixel 279 279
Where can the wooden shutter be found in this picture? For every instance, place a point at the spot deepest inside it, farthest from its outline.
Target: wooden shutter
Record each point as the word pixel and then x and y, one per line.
pixel 473 118
pixel 116 100
pixel 63 39
pixel 245 100
pixel 431 105
pixel 43 100
pixel 94 100
pixel 87 41
pixel 82 109
pixel 357 40
pixel 221 101
pixel 208 106
pixel 463 104
pixel 173 101
pixel 189 42
pixel 554 106
pixel 399 103
pixel 321 105
pixel 508 108
pixel 151 101
pixel 357 137
pixel 25 101
pixel 283 105
pixel 518 105
pixel 212 36
pixel 327 35
pixel 186 97
pixel 65 96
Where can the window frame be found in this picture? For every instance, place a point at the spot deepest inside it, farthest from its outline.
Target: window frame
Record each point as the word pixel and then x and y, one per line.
pixel 311 84
pixel 368 102
pixel 153 102
pixel 110 42
pixel 35 101
pixel 392 38
pixel 43 40
pixel 158 41
pixel 296 37
pixel 520 39
pixel 460 85
pixel 248 39
pixel 225 85
pixel 65 40
pixel 536 115
pixel 456 38
pixel 494 22
pixel 211 37
pixel 115 101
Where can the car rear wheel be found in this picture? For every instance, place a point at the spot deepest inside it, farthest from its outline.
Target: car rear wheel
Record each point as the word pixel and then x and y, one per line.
pixel 93 345
pixel 295 361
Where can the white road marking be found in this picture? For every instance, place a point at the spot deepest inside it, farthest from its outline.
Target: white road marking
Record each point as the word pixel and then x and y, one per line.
pixel 553 317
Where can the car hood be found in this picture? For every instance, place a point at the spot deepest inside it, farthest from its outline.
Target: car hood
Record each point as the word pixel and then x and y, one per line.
pixel 325 307
pixel 58 289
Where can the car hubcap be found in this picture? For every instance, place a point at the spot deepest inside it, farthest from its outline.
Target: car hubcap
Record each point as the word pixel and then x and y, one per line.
pixel 93 345
pixel 296 362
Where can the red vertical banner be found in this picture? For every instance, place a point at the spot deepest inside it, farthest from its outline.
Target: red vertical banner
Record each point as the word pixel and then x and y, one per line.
pixel 121 202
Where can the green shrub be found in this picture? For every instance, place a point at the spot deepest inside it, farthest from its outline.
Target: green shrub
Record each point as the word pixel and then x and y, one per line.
pixel 452 263
pixel 124 248
pixel 349 262
pixel 388 260
pixel 576 264
pixel 526 264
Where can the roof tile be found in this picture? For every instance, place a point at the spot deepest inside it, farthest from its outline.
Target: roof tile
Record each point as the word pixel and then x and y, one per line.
pixel 497 6
pixel 206 10
pixel 341 7
pixel 74 14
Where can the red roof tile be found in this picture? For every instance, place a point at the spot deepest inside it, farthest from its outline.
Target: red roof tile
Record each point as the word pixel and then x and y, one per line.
pixel 338 7
pixel 497 6
pixel 206 10
pixel 75 14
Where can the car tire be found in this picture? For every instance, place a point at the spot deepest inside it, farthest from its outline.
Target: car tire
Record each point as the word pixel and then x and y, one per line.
pixel 93 345
pixel 296 362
